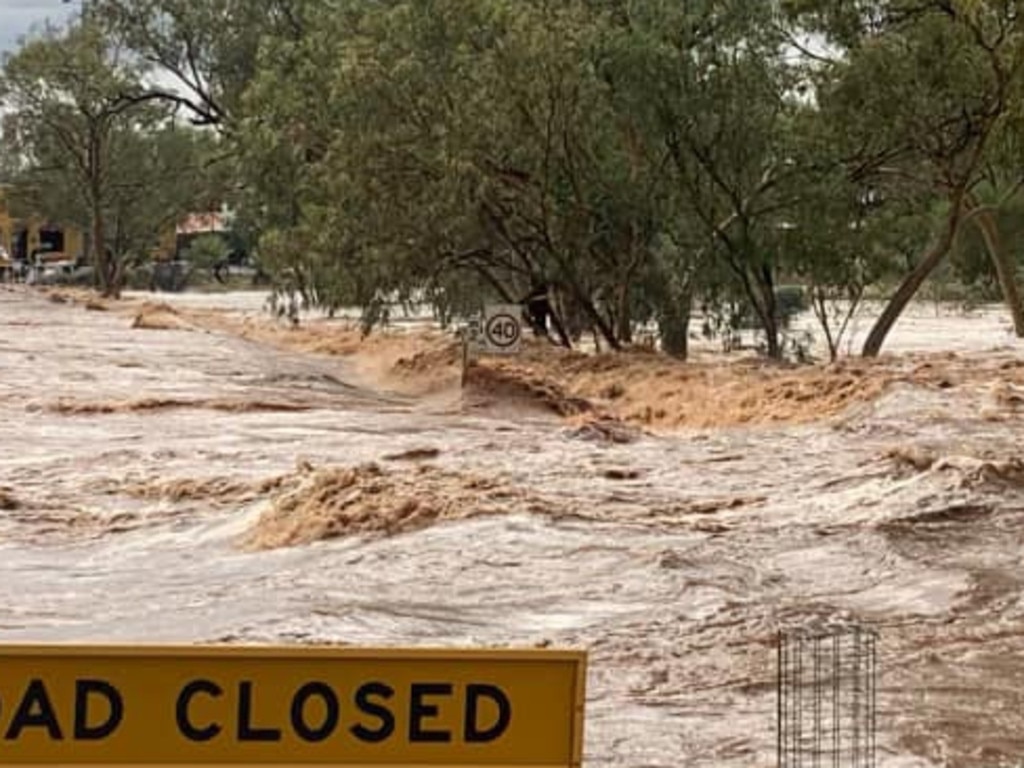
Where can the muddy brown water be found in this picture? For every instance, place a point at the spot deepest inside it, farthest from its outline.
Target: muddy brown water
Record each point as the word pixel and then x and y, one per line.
pixel 673 559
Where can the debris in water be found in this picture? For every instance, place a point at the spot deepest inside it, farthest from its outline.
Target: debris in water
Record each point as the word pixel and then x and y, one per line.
pixel 606 430
pixel 415 454
pixel 912 457
pixel 959 513
pixel 622 474
pixel 8 502
pixel 70 407
pixel 1008 395
pixel 160 317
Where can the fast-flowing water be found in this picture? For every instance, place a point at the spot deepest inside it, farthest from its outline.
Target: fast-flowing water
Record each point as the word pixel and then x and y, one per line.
pixel 672 559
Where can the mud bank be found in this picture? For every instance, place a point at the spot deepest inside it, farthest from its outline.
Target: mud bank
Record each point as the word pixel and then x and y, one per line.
pixel 635 387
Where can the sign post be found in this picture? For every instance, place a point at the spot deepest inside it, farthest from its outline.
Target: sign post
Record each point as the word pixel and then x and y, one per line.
pixel 472 335
pixel 498 332
pixel 216 706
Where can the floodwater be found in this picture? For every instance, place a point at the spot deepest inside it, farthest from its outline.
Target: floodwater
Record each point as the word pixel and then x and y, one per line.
pixel 673 559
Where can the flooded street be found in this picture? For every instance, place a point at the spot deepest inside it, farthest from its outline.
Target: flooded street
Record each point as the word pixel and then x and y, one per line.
pixel 183 485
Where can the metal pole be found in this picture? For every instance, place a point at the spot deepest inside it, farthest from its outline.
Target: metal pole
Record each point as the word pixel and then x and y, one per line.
pixel 874 699
pixel 856 710
pixel 817 701
pixel 837 742
pixel 799 709
pixel 780 693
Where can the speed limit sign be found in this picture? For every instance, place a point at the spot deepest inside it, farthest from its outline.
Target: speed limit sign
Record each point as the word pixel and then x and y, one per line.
pixel 503 328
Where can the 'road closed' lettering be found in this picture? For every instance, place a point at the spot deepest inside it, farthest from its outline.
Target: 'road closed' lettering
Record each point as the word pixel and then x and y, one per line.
pixel 205 711
pixel 340 707
pixel 475 732
pixel 316 712
pixel 96 712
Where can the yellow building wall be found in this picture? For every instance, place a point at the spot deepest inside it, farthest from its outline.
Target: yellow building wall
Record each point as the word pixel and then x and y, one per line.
pixel 74 243
pixel 74 240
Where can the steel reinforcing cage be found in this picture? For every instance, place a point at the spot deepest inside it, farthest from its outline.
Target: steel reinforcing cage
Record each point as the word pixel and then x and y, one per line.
pixel 827 698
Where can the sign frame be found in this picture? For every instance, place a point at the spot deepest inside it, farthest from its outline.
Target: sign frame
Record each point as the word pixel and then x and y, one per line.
pixel 493 312
pixel 308 654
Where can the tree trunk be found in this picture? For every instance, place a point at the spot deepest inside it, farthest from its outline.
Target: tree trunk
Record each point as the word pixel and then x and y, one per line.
pixel 674 327
pixel 913 282
pixel 120 268
pixel 558 317
pixel 1006 269
pixel 624 316
pixel 771 332
pixel 99 250
pixel 104 269
pixel 767 311
pixel 594 317
pixel 559 327
pixel 819 301
pixel 601 325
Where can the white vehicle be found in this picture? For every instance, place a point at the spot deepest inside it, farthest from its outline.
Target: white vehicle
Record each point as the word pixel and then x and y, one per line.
pixel 7 271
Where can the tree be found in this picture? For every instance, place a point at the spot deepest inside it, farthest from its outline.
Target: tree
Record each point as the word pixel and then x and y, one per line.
pixel 921 91
pixel 199 56
pixel 96 150
pixel 719 99
pixel 70 93
pixel 159 173
pixel 467 143
pixel 997 194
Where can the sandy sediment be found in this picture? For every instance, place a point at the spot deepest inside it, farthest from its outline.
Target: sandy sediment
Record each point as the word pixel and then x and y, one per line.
pixel 528 387
pixel 42 523
pixel 368 500
pixel 972 467
pixel 208 489
pixel 634 387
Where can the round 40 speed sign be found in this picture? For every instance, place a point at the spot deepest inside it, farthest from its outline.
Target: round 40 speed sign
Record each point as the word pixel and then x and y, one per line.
pixel 503 328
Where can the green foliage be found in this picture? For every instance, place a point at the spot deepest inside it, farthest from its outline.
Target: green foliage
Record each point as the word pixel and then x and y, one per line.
pixel 206 251
pixel 636 159
pixel 632 155
pixel 205 50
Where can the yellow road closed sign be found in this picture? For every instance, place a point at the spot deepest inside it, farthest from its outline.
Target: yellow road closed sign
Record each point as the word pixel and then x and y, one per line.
pixel 289 706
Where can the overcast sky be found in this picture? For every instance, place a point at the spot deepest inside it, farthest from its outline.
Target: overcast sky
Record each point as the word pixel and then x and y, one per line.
pixel 18 17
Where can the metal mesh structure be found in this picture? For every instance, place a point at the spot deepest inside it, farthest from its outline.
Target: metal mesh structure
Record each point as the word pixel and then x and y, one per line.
pixel 827 698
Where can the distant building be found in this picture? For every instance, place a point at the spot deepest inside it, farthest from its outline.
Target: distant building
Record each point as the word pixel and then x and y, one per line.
pixel 36 238
pixel 204 223
pixel 213 222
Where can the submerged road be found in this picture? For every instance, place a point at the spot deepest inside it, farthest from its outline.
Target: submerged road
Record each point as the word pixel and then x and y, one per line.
pixel 135 465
